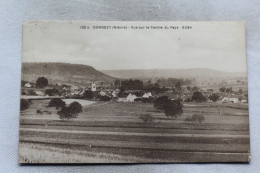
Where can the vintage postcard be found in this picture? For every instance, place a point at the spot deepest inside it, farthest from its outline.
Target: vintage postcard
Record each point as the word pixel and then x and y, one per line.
pixel 134 92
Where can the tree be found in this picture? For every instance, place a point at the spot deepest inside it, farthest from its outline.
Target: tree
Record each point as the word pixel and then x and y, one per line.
pixel 105 98
pixel 132 85
pixel 195 88
pixel 198 97
pixel 229 90
pixel 57 103
pixel 173 108
pixel 88 94
pixel 65 113
pixel 41 82
pixel 222 89
pixel 160 102
pixel 188 99
pixel 178 86
pixel 75 107
pixel 188 88
pixel 71 111
pixel 122 94
pixel 117 83
pixel 214 97
pixel 24 104
pixel 210 90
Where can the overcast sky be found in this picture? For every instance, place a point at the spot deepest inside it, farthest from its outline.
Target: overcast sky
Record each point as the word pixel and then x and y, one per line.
pixel 218 45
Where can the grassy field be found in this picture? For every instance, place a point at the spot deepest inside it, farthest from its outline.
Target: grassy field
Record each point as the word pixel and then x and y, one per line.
pixel 111 132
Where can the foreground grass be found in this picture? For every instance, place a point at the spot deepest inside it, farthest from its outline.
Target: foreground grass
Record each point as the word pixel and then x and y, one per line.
pixel 39 153
pixel 110 132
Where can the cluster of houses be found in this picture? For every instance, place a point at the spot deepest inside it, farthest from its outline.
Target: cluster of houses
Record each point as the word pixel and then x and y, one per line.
pixel 128 96
pixel 133 97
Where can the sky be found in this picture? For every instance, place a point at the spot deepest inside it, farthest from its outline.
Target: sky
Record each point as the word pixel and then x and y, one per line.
pixel 213 45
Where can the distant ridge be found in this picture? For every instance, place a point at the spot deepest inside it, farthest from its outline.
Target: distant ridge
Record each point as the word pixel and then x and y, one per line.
pixel 175 73
pixel 63 72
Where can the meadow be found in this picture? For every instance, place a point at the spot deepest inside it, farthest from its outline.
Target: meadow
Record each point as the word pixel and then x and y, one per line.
pixel 112 132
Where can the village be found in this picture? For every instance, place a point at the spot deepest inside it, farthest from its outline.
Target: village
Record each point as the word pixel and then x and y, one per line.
pixel 123 91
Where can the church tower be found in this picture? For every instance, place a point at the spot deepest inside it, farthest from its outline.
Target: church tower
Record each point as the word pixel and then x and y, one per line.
pixel 93 87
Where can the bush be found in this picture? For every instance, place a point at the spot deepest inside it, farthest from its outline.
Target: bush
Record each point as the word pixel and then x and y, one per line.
pixel 23 93
pixel 39 111
pixel 57 103
pixel 195 118
pixel 147 100
pixel 24 104
pixel 32 92
pixel 104 98
pixel 52 92
pixel 188 100
pixel 147 118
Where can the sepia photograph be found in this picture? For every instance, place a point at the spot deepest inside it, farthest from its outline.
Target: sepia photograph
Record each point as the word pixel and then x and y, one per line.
pixel 133 92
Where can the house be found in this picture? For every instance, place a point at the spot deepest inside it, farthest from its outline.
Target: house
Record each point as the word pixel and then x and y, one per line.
pixel 81 92
pixel 115 93
pixel 131 97
pixel 233 100
pixel 121 99
pixel 78 91
pixel 102 93
pixel 28 85
pixel 230 99
pixel 147 95
pixel 243 101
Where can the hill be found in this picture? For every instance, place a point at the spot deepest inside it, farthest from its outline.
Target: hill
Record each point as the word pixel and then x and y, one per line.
pixel 63 72
pixel 173 73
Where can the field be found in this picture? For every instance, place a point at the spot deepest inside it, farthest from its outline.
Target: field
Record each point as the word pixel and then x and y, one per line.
pixel 111 132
